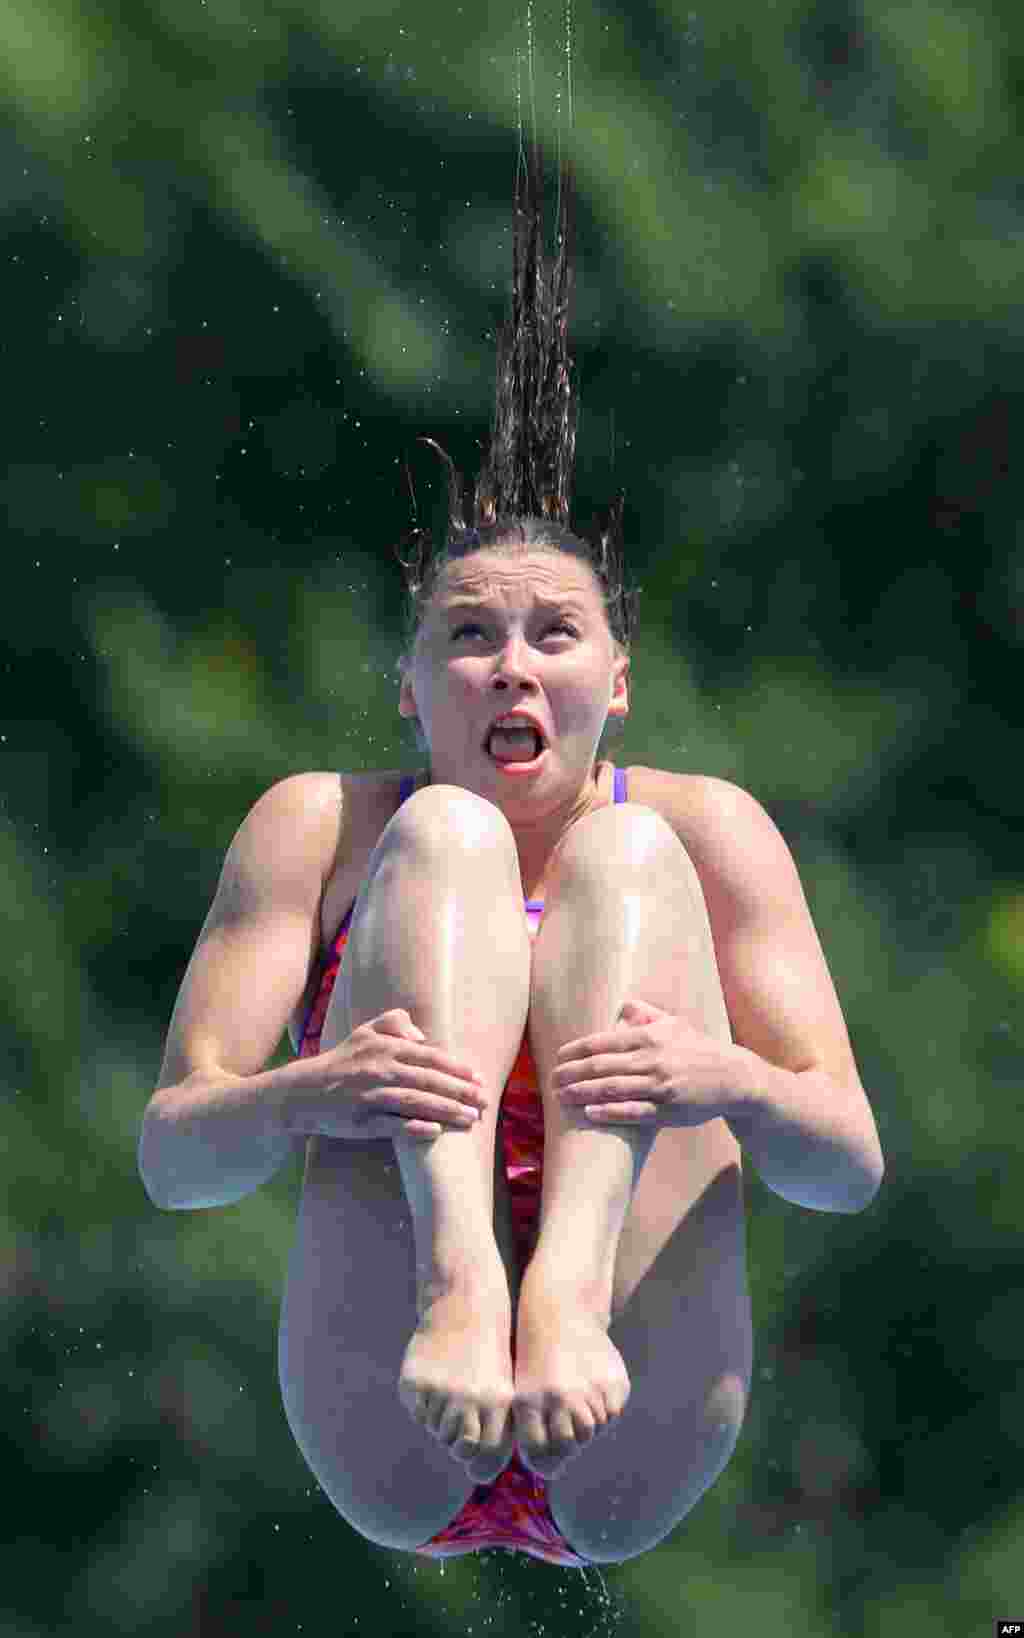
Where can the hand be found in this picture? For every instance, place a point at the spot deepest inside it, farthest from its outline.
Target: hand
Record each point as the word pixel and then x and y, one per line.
pixel 651 1069
pixel 385 1081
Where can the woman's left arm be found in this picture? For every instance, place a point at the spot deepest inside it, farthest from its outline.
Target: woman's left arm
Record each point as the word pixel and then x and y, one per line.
pixel 803 1116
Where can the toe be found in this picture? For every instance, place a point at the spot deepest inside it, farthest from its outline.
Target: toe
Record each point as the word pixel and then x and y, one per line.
pixel 460 1431
pixel 531 1433
pixel 496 1439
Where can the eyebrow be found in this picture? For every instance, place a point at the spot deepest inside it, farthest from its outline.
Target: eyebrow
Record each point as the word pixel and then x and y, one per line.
pixel 461 604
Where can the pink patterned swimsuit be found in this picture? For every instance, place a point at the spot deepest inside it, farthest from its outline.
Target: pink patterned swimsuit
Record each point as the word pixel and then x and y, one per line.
pixel 513 1512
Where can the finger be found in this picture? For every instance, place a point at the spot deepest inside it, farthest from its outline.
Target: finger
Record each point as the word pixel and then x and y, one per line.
pixel 467 1094
pixel 414 1079
pixel 425 1129
pixel 623 1038
pixel 458 1067
pixel 616 1086
pixel 396 1021
pixel 626 1114
pixel 613 1034
pixel 453 1118
pixel 575 1049
pixel 468 1077
pixel 403 1104
pixel 580 1069
pixel 460 1093
pixel 446 1111
pixel 435 1058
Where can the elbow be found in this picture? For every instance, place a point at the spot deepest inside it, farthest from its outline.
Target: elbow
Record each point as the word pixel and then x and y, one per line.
pixel 874 1183
pixel 861 1191
pixel 141 1162
pixel 147 1152
pixel 863 1173
pixel 848 1190
pixel 874 1168
pixel 153 1192
pixel 162 1199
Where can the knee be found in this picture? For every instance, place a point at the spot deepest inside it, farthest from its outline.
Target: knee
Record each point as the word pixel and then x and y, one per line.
pixel 624 836
pixel 449 817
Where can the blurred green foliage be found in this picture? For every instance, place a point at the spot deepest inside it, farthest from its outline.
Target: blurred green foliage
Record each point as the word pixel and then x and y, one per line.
pixel 252 251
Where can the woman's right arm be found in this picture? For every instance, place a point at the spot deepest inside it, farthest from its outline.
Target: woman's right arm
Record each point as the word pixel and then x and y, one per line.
pixel 214 1128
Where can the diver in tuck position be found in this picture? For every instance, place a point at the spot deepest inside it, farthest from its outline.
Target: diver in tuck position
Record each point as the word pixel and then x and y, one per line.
pixel 541 1005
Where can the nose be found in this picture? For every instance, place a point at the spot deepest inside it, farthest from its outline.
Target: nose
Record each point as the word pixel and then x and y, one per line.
pixel 512 663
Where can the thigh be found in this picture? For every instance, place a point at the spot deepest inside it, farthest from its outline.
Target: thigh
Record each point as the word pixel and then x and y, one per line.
pixel 681 1320
pixel 348 1311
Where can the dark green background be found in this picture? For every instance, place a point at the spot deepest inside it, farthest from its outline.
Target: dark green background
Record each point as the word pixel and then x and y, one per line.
pixel 250 252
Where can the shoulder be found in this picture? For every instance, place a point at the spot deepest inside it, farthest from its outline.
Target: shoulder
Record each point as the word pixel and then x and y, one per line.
pixel 325 796
pixel 688 801
pixel 298 818
pixel 691 802
pixel 310 800
pixel 340 810
pixel 731 838
pixel 314 816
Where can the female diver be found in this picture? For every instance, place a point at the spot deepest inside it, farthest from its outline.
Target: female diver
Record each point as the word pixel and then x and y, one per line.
pixel 540 1005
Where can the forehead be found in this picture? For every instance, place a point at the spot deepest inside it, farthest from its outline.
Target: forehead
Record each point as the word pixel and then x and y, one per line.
pixel 522 578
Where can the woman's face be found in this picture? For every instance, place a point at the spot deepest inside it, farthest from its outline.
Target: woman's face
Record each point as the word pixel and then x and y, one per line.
pixel 501 632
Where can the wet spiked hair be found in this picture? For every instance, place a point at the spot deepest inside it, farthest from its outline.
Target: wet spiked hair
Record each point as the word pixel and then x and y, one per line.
pixel 522 494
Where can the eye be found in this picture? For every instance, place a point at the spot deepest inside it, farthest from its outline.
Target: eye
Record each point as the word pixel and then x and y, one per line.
pixel 474 625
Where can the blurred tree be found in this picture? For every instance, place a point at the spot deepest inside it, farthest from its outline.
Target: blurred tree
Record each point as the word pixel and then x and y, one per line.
pixel 251 253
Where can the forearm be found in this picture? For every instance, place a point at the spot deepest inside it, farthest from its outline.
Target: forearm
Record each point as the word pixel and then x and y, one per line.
pixel 811 1137
pixel 214 1137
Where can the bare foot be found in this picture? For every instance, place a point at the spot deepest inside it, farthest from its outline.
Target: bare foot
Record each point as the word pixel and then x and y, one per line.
pixel 571 1382
pixel 456 1376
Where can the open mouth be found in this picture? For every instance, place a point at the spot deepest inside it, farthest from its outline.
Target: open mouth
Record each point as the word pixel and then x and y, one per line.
pixel 515 750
